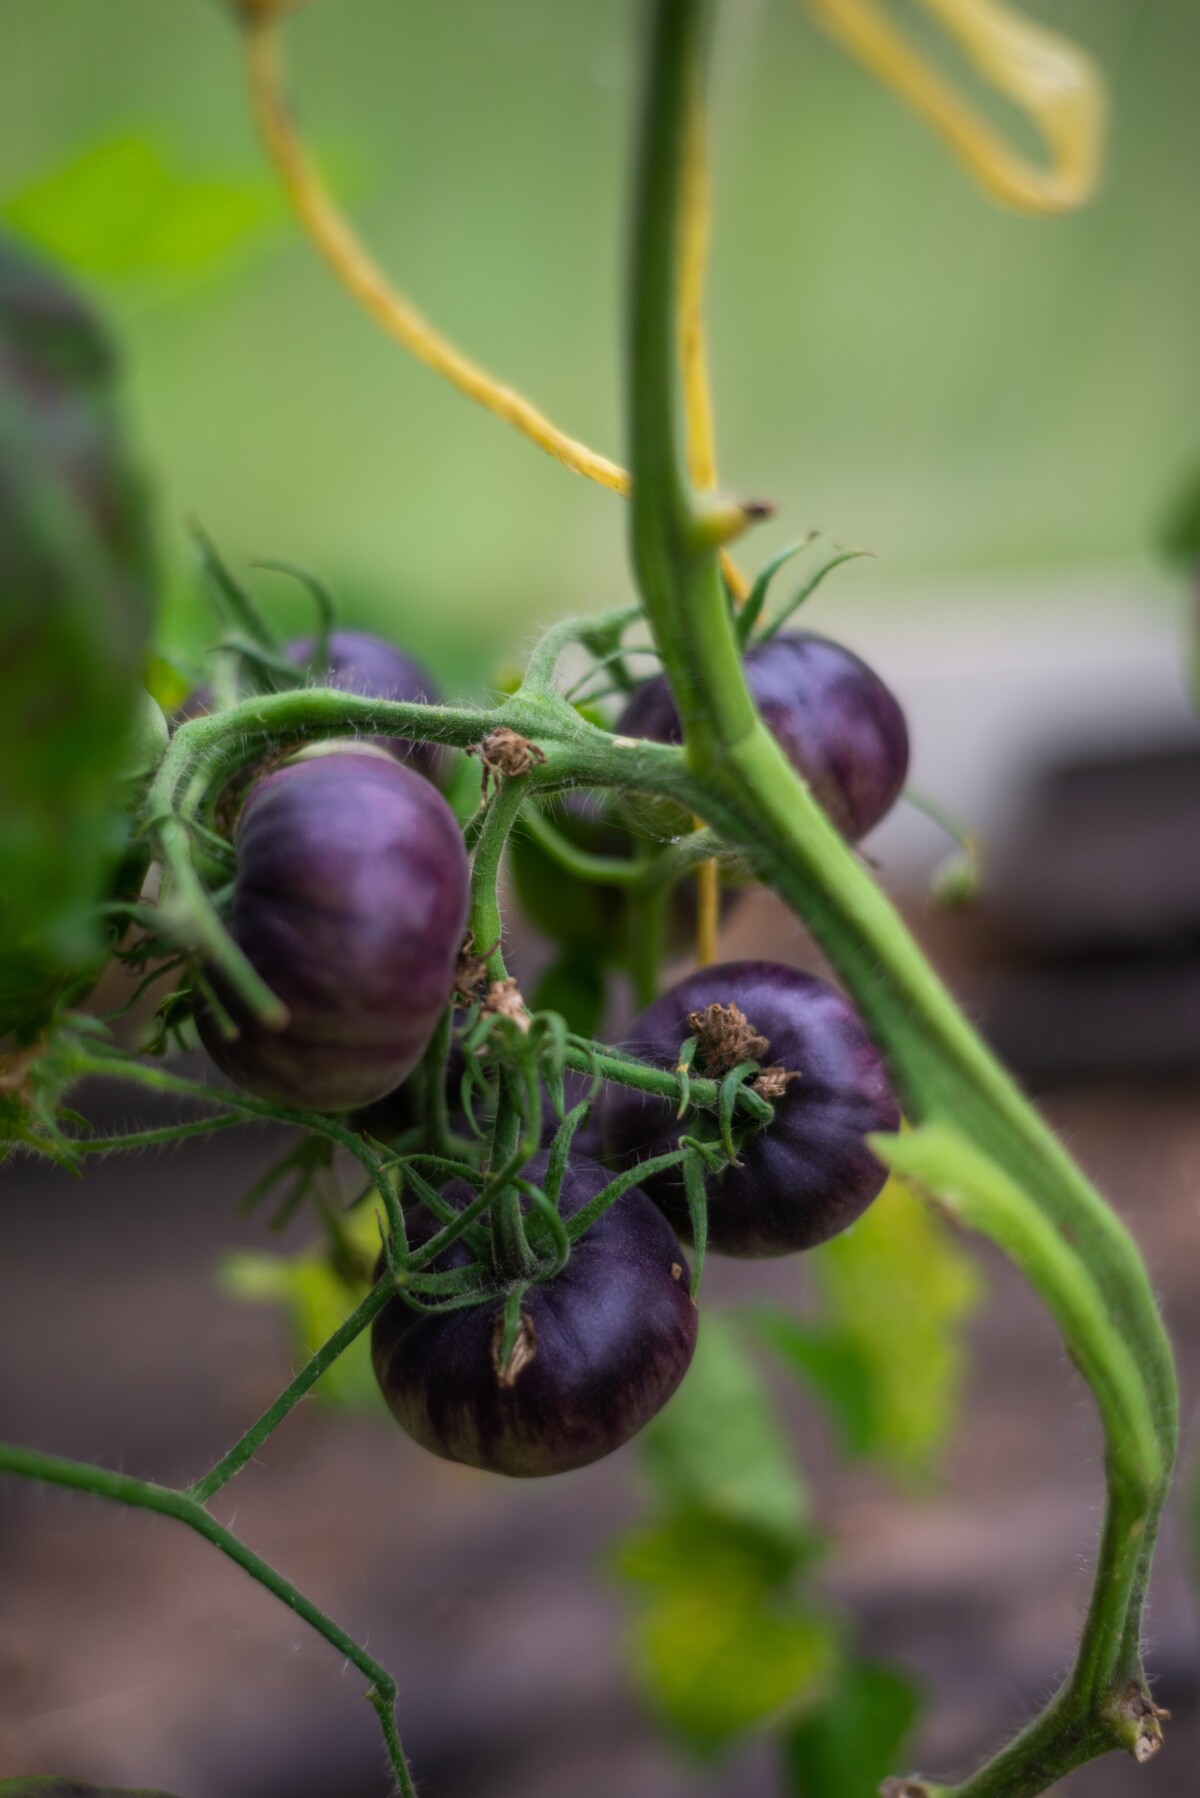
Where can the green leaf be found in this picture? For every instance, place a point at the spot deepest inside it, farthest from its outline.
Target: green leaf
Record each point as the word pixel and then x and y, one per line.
pixel 167 683
pixel 77 579
pixel 121 208
pixel 847 1746
pixel 899 1289
pixel 835 1366
pixel 576 913
pixel 719 1444
pixel 317 1301
pixel 574 986
pixel 886 1354
pixel 721 1642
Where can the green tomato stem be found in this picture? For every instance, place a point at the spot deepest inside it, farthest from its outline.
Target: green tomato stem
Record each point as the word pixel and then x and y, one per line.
pixel 185 1508
pixel 486 919
pixel 435 1112
pixel 115 1064
pixel 247 1446
pixel 513 1257
pixel 944 1073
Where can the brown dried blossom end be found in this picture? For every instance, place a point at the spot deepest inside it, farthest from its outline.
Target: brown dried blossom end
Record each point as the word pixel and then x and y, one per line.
pixel 725 1036
pixel 504 1000
pixel 772 1083
pixel 521 1353
pixel 470 973
pixel 504 754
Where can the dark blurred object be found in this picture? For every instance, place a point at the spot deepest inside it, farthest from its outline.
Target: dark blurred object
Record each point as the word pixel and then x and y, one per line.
pixel 1097 902
pixel 50 1786
pixel 76 590
pixel 1179 539
pixel 1179 542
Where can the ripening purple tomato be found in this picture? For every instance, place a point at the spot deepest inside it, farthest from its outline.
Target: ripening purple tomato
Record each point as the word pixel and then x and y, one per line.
pixel 362 664
pixel 602 1346
pixel 809 1173
pixel 832 716
pixel 376 669
pixel 350 901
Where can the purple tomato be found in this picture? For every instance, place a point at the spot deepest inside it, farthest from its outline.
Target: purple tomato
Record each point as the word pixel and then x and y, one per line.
pixel 807 1174
pixel 834 719
pixel 601 1346
pixel 376 669
pixel 350 901
pixel 362 664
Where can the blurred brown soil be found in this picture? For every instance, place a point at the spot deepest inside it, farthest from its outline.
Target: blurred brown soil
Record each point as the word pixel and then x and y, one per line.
pixel 132 1653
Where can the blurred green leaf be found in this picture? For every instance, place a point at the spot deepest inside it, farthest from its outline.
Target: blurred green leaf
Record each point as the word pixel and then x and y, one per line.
pixel 719 1444
pixel 121 208
pixel 886 1354
pixel 899 1288
pixel 721 1642
pixel 167 683
pixel 575 987
pixel 846 1746
pixel 834 1365
pixel 725 1637
pixel 317 1300
pixel 1179 538
pixel 77 582
pixel 578 914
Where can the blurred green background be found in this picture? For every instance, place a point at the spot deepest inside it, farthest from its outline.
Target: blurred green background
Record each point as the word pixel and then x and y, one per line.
pixel 897 361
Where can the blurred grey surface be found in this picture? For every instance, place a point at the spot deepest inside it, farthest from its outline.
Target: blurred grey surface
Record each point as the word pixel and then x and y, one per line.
pixel 130 1651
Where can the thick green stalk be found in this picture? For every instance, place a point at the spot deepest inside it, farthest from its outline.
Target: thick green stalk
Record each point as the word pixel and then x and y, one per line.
pixel 944 1073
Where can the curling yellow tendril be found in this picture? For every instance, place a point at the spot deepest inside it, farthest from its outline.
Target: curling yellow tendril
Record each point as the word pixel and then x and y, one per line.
pixel 362 276
pixel 1054 82
pixel 358 272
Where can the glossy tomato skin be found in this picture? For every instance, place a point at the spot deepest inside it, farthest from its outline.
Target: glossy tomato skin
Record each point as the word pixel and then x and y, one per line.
pixel 612 1336
pixel 350 901
pixel 835 720
pixel 809 1173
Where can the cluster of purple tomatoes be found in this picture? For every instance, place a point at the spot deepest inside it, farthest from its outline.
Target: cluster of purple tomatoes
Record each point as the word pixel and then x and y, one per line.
pixel 351 902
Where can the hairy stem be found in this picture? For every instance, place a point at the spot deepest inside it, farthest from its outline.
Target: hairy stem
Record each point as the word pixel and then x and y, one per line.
pixel 486 921
pixel 185 1508
pixel 115 1065
pixel 753 797
pixel 247 1446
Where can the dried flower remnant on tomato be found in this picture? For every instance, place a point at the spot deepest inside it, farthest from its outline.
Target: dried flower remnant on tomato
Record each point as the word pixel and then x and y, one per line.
pixel 598 1349
pixel 809 1173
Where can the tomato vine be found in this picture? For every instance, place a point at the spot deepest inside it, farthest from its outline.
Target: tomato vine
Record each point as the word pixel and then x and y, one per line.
pixel 975 1146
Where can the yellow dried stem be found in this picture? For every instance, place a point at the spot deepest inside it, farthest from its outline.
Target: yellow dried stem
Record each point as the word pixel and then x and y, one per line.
pixel 358 272
pixel 695 234
pixel 365 281
pixel 1051 79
